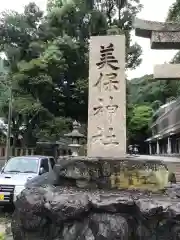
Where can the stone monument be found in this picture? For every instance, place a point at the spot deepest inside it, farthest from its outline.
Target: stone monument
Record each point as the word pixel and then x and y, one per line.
pixel 107 97
pixel 105 195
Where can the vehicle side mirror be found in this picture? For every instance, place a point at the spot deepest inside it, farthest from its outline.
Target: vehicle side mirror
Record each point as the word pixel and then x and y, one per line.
pixel 2 169
pixel 41 171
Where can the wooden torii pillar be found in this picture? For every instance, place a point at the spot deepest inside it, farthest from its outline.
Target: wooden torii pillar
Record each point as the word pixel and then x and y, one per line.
pixel 162 36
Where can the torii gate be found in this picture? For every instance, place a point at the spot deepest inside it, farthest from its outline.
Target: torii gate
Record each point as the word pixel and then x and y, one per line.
pixel 162 36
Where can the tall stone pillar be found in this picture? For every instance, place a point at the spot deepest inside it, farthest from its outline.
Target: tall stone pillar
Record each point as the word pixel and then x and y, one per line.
pixel 157 147
pixel 169 148
pixel 107 97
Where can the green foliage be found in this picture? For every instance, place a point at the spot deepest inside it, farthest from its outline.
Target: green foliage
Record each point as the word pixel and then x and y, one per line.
pixel 58 125
pixel 140 119
pixel 174 12
pixel 146 94
pixel 47 58
pixel 4 86
pixel 148 90
pixel 2 236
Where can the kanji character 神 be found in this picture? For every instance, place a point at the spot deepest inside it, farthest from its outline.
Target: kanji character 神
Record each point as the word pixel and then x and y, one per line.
pixel 110 109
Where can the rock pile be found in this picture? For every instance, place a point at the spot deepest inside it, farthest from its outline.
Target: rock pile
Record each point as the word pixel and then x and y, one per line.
pixel 61 213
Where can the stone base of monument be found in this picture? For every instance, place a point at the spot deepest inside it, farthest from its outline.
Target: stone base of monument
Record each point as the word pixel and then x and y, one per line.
pixel 97 199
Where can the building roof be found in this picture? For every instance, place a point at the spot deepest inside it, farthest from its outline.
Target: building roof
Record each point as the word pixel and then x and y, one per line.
pixel 166 107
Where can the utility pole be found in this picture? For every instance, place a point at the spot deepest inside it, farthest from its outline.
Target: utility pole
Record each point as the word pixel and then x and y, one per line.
pixel 8 140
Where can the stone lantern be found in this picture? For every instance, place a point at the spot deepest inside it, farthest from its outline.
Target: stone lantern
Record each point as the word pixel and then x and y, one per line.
pixel 75 137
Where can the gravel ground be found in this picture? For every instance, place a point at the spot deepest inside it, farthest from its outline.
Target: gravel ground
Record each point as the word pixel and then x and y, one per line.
pixel 5 226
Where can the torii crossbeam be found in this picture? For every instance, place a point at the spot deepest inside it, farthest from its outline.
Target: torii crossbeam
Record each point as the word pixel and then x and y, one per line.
pixel 162 36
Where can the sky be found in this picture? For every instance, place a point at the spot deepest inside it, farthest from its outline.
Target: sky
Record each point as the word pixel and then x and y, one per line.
pixel 155 10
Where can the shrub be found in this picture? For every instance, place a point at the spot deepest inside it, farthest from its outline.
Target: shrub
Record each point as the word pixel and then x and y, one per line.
pixel 2 236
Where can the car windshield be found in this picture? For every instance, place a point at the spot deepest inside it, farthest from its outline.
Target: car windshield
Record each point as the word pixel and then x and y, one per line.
pixel 22 165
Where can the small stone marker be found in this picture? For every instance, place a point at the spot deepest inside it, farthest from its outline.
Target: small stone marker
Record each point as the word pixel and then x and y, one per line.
pixel 107 97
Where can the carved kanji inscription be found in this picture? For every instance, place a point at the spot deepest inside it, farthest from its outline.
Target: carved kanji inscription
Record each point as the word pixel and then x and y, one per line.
pixel 108 110
pixel 107 82
pixel 107 97
pixel 107 57
pixel 104 138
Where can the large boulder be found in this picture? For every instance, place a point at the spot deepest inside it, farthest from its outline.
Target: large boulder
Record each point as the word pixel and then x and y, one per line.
pixel 58 213
pixel 84 200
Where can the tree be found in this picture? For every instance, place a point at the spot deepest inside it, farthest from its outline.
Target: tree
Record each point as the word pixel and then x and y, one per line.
pixel 44 67
pixel 148 90
pixel 101 20
pixel 48 61
pixel 4 87
pixel 174 12
pixel 35 96
pixel 101 17
pixel 139 123
pixel 146 94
